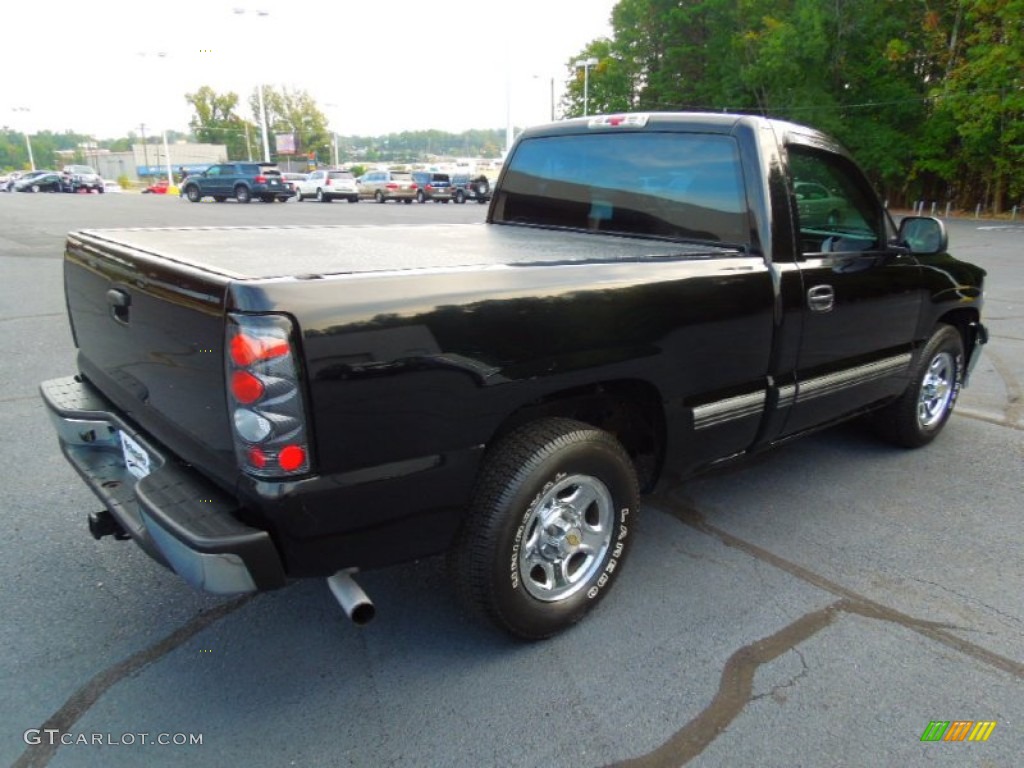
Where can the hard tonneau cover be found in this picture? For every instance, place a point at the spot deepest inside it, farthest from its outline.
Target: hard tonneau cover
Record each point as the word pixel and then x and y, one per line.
pixel 269 252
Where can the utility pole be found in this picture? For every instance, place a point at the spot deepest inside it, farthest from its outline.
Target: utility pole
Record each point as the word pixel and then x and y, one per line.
pixel 145 153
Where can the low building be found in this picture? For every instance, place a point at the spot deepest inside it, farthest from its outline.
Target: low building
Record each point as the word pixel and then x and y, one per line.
pixel 146 162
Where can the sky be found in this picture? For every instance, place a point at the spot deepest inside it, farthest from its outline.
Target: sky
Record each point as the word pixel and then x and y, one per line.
pixel 105 67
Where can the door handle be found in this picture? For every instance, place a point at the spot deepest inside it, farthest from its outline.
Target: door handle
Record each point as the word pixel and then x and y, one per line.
pixel 820 298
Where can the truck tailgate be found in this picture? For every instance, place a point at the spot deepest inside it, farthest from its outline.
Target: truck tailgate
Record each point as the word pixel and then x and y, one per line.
pixel 150 336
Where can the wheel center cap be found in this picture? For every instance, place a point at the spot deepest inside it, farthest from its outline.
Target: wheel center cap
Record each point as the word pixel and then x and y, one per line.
pixel 573 540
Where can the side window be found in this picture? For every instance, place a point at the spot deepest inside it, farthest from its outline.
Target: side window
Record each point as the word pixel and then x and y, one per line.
pixel 213 171
pixel 835 207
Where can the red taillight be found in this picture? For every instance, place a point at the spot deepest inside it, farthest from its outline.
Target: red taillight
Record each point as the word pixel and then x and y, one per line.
pixel 257 458
pixel 246 388
pixel 392 185
pixel 260 180
pixel 246 350
pixel 291 457
pixel 265 398
pixel 429 188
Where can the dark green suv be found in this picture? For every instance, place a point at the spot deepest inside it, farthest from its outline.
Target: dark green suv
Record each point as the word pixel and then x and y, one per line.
pixel 242 181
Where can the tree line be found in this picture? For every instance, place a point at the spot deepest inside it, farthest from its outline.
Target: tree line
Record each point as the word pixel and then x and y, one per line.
pixel 927 94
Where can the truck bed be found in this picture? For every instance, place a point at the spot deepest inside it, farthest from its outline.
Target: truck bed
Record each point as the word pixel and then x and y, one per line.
pixel 281 251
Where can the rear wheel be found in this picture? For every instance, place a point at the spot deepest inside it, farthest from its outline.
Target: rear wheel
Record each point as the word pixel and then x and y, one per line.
pixel 420 198
pixel 320 196
pixel 917 417
pixel 242 194
pixel 460 196
pixel 548 527
pixel 379 196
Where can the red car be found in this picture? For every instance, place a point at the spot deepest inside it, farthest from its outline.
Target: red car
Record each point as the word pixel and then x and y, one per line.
pixel 157 188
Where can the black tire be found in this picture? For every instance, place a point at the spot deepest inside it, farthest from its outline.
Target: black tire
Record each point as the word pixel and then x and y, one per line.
pixel 267 198
pixel 920 413
pixel 35 187
pixel 192 193
pixel 533 475
pixel 320 196
pixel 242 194
pixel 298 196
pixel 378 196
pixel 407 201
pixel 460 197
pixel 219 198
pixel 354 199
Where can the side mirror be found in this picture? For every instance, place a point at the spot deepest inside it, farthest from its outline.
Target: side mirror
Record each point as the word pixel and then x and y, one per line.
pixel 923 235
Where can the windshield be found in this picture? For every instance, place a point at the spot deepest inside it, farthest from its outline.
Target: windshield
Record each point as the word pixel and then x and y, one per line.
pixel 677 185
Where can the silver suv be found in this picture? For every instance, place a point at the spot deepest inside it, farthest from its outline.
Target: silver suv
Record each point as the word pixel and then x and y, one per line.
pixel 83 177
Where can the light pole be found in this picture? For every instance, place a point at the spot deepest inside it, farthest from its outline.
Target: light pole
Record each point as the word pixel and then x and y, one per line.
pixel 28 143
pixel 259 91
pixel 586 64
pixel 334 134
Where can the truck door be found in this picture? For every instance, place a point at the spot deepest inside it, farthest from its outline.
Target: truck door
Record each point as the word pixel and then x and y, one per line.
pixel 860 299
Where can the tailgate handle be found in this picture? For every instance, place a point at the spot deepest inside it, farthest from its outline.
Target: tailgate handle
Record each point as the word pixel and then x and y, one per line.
pixel 119 302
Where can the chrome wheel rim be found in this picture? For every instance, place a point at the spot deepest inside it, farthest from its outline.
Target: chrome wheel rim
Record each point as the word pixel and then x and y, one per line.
pixel 936 390
pixel 564 540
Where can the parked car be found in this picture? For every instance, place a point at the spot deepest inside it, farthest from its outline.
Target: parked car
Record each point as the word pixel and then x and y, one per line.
pixel 466 187
pixel 502 392
pixel 83 177
pixel 111 185
pixel 327 185
pixel 292 179
pixel 242 181
pixel 157 188
pixel 817 206
pixel 387 185
pixel 12 178
pixel 42 181
pixel 432 186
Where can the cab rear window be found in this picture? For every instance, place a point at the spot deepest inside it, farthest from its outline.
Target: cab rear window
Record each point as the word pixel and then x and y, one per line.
pixel 674 185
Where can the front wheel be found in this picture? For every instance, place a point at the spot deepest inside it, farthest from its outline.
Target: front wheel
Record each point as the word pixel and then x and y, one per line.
pixel 548 527
pixel 917 417
pixel 192 193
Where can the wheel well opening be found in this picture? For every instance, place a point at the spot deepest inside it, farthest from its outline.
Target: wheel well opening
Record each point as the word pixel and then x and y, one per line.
pixel 630 410
pixel 962 319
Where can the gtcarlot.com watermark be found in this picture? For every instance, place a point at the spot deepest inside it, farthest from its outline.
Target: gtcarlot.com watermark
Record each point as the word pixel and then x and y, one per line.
pixel 54 737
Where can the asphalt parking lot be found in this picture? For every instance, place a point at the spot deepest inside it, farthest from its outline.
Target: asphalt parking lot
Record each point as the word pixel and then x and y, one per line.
pixel 818 606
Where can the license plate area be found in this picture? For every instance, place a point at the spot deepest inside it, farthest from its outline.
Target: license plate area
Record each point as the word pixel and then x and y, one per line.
pixel 136 460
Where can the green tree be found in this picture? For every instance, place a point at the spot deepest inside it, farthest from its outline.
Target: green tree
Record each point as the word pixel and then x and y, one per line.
pixel 215 120
pixel 294 112
pixel 984 93
pixel 611 83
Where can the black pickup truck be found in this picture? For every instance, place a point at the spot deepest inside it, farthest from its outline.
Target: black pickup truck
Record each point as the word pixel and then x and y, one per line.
pixel 652 294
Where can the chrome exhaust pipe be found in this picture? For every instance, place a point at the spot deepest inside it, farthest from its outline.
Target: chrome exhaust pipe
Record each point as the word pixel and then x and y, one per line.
pixel 350 596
